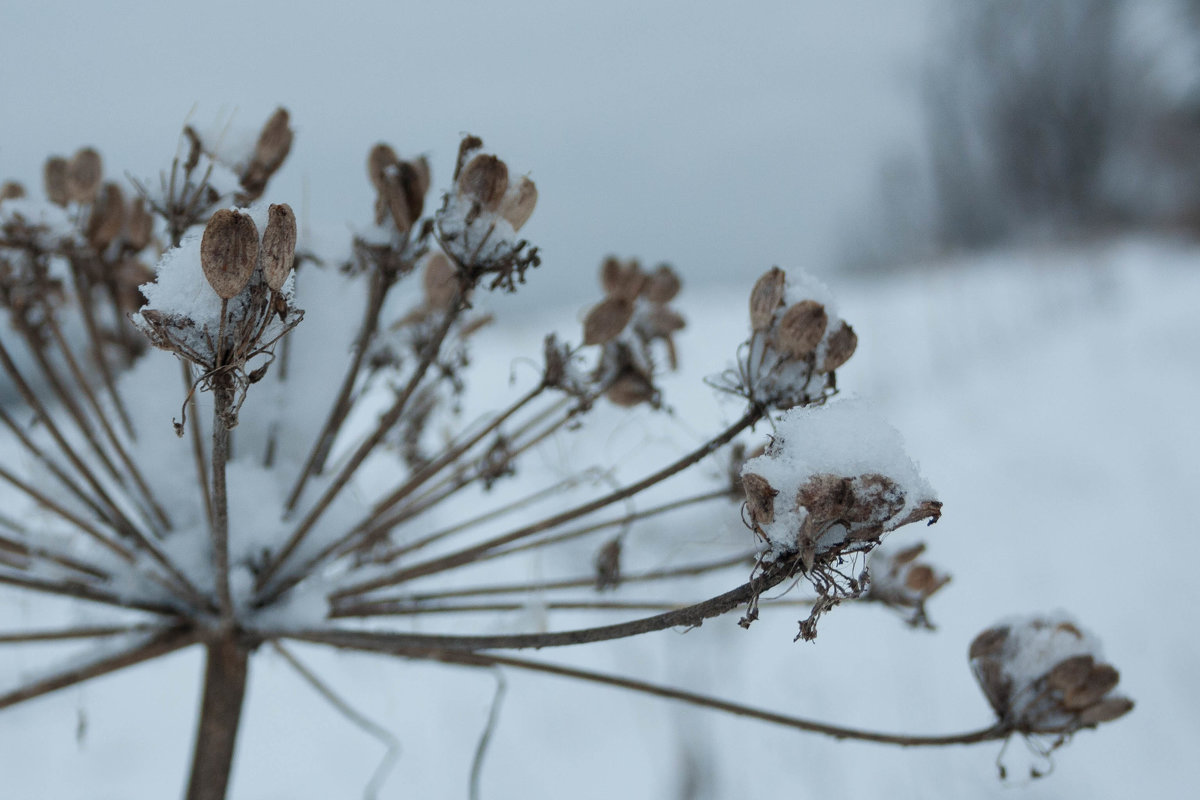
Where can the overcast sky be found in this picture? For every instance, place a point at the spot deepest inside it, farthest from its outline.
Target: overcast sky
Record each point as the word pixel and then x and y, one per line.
pixel 719 138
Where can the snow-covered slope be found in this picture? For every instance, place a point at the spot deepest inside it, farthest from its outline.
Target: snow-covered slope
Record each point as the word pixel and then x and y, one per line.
pixel 1048 397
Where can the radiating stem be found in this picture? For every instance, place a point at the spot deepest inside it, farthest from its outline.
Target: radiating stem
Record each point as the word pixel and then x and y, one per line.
pixel 380 283
pixel 389 419
pixel 390 580
pixel 470 554
pixel 159 645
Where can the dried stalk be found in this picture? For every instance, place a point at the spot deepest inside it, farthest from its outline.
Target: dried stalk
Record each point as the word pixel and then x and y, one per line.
pixel 470 554
pixel 159 645
pixel 225 672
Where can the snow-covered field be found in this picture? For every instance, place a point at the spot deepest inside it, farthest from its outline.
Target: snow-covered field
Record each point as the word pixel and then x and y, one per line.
pixel 1047 396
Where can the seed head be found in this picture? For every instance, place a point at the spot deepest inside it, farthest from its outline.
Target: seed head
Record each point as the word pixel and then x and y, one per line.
pixel 606 320
pixel 278 245
pixel 440 281
pixel 229 251
pixel 54 176
pixel 760 498
pixel 662 285
pixel 840 345
pixel 519 202
pixel 623 279
pixel 1042 675
pixel 800 329
pixel 484 180
pixel 11 190
pixel 765 299
pixel 83 175
pixel 139 225
pixel 107 217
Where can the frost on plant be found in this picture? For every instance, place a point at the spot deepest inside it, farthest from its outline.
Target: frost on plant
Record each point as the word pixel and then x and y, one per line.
pixel 329 487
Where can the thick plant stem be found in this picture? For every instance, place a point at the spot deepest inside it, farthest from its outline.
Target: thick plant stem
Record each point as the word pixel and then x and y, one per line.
pixel 216 733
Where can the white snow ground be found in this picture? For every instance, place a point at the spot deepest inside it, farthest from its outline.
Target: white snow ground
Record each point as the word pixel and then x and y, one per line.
pixel 1047 396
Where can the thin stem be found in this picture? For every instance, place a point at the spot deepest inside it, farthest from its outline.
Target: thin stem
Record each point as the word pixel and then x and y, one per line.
pixel 991 733
pixel 450 456
pixel 402 550
pixel 156 510
pixel 470 554
pixel 447 487
pixel 113 513
pixel 577 583
pixel 68 401
pixel 160 645
pixel 389 419
pixel 372 728
pixel 31 551
pixel 68 634
pixel 390 579
pixel 485 737
pixel 380 284
pixel 687 617
pixel 225 672
pixel 54 469
pixel 97 345
pixel 197 443
pixel 81 591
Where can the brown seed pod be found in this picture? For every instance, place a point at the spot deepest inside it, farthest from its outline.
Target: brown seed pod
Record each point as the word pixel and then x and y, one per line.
pixel 484 180
pixel 440 280
pixel 765 299
pixel 1071 673
pixel 107 217
pixel 988 644
pixel 1100 681
pixel 519 202
pixel 229 252
pixel 274 142
pixel 760 498
pixel 379 159
pixel 278 245
pixel 800 329
pixel 622 279
pixel 1106 710
pixel 827 497
pixel 662 285
pixel 606 320
pixel 83 175
pixel 54 178
pixel 631 389
pixel 877 499
pixel 839 347
pixel 11 190
pixel 139 225
pixel 413 177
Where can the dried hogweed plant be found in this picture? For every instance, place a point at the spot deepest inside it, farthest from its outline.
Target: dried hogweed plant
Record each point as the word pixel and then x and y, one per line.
pixel 272 519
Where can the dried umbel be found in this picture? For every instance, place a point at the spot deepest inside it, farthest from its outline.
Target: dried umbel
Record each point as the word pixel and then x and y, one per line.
pixel 900 579
pixel 1044 675
pixel 349 557
pixel 478 222
pixel 629 323
pixel 245 306
pixel 794 347
pixel 831 483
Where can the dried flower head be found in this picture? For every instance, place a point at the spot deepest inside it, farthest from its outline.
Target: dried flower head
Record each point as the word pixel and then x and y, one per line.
pixel 794 348
pixel 478 222
pixel 1045 675
pixel 832 482
pixel 901 580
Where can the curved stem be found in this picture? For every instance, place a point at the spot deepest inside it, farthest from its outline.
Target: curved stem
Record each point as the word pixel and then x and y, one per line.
pixel 989 734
